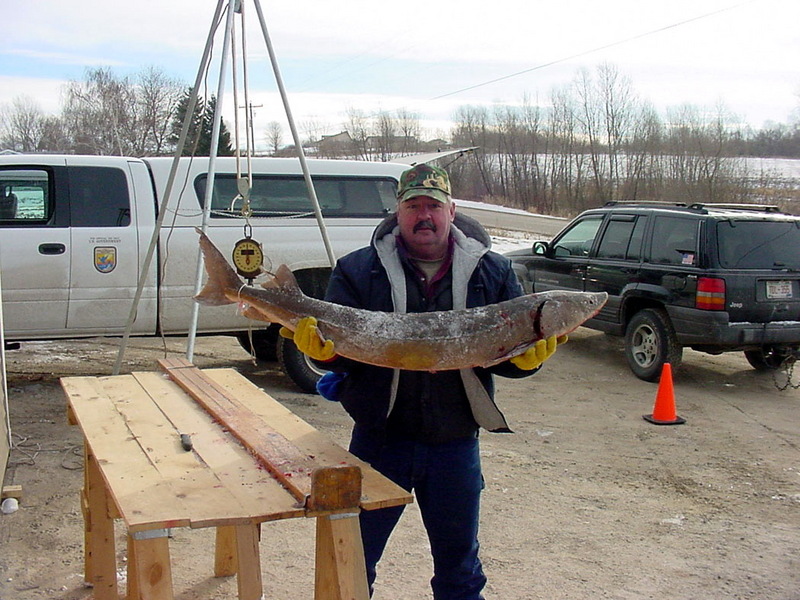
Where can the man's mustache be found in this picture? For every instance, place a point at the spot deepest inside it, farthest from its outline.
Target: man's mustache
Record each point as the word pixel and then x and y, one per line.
pixel 427 224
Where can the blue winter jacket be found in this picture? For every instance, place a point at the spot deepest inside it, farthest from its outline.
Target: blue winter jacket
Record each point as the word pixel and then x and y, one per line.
pixel 372 278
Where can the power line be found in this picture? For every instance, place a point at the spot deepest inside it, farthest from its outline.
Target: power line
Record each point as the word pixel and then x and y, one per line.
pixel 597 49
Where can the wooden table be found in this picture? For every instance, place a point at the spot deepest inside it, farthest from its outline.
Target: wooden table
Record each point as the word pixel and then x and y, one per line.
pixel 136 469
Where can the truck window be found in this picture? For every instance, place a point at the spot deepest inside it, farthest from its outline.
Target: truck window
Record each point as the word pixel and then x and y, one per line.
pixel 98 197
pixel 282 196
pixel 674 241
pixel 623 238
pixel 637 238
pixel 615 239
pixel 579 239
pixel 24 197
pixel 759 244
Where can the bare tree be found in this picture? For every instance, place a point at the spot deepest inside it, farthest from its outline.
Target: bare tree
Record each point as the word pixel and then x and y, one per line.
pixel 385 137
pixel 616 98
pixel 274 137
pixel 313 129
pixel 409 129
pixel 358 127
pixel 97 113
pixel 157 99
pixel 107 114
pixel 473 127
pixel 55 137
pixel 22 125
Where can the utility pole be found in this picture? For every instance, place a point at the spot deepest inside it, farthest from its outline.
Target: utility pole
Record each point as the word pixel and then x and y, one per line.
pixel 251 136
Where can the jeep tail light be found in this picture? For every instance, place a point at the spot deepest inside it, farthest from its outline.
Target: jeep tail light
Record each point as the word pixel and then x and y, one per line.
pixel 710 294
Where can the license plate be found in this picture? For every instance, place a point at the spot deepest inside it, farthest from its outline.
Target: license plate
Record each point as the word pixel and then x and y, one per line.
pixel 777 290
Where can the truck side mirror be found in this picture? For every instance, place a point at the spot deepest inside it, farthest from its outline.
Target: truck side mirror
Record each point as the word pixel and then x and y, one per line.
pixel 540 248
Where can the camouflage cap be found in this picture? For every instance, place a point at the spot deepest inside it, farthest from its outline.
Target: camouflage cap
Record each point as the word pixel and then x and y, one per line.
pixel 424 180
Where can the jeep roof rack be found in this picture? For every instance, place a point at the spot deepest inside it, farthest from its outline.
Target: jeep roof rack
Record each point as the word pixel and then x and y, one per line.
pixel 724 205
pixel 696 205
pixel 646 203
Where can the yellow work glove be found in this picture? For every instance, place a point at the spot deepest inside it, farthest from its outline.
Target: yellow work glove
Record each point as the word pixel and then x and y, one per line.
pixel 534 356
pixel 308 339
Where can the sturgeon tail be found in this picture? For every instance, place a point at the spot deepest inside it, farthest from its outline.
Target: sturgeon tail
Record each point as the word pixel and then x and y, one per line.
pixel 222 279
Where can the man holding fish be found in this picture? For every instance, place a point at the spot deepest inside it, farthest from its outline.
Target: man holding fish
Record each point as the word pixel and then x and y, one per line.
pixel 420 428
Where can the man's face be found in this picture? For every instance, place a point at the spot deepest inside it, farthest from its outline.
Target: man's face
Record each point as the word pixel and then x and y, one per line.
pixel 425 226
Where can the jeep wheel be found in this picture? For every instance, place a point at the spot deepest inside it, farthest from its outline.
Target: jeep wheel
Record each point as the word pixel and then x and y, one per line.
pixel 767 358
pixel 650 342
pixel 298 366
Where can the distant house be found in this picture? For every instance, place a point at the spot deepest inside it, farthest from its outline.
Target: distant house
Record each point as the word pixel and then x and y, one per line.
pixel 337 145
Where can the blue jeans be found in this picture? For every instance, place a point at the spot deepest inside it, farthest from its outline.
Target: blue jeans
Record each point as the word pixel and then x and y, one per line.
pixel 447 482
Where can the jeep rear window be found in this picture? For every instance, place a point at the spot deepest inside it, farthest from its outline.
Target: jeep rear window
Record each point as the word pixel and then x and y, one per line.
pixel 674 241
pixel 759 244
pixel 287 196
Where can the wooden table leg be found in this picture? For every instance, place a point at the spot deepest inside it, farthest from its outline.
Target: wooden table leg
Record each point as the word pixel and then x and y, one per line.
pixel 133 578
pixel 340 573
pixel 225 563
pixel 100 559
pixel 249 562
pixel 149 565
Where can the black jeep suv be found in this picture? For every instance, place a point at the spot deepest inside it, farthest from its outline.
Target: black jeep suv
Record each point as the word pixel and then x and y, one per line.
pixel 712 277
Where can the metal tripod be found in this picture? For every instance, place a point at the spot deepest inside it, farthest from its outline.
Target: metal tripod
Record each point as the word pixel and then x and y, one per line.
pixel 232 7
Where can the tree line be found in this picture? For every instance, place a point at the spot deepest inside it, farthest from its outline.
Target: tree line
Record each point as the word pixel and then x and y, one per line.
pixel 105 114
pixel 597 142
pixel 590 141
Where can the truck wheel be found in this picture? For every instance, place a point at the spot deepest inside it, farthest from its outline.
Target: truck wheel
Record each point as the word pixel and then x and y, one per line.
pixel 298 366
pixel 767 358
pixel 264 344
pixel 650 342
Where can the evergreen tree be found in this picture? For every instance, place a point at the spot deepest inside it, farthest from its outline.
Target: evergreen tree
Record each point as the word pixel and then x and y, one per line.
pixel 198 141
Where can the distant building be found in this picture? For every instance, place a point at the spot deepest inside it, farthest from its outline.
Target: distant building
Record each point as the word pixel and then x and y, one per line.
pixel 335 146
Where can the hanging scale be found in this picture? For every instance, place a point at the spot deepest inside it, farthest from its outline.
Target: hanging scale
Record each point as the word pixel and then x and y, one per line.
pixel 248 257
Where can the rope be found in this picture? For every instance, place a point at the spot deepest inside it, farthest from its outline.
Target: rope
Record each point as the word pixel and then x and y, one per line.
pixel 244 186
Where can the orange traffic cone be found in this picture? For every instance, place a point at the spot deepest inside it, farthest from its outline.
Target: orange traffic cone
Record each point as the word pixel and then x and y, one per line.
pixel 664 409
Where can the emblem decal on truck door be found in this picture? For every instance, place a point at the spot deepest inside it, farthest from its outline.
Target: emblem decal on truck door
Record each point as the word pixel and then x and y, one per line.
pixel 105 258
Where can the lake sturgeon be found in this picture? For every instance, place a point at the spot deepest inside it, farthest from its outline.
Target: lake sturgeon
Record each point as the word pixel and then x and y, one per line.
pixel 429 341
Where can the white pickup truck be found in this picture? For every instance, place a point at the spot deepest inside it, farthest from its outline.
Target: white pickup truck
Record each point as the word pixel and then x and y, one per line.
pixel 74 233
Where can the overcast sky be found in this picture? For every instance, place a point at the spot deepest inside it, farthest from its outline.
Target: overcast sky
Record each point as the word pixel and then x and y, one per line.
pixel 427 57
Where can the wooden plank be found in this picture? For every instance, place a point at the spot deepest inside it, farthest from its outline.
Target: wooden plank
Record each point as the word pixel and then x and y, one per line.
pixel 248 579
pixel 203 500
pixel 278 455
pixel 132 479
pixel 12 491
pixel 152 568
pixel 101 555
pixel 260 495
pixel 226 561
pixel 334 488
pixel 377 491
pixel 153 480
pixel 340 572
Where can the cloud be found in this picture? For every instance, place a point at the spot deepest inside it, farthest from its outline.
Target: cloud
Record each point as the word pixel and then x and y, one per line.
pixel 64 58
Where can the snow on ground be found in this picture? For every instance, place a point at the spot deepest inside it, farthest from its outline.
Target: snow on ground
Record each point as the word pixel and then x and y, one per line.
pixel 511 240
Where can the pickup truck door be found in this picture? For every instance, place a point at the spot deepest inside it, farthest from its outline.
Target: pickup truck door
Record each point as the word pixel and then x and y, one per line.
pixel 112 221
pixel 34 251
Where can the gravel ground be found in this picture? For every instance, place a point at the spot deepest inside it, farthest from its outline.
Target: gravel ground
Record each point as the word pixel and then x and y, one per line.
pixel 584 500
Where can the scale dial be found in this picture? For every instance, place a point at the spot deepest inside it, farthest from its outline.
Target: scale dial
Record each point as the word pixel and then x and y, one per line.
pixel 248 258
